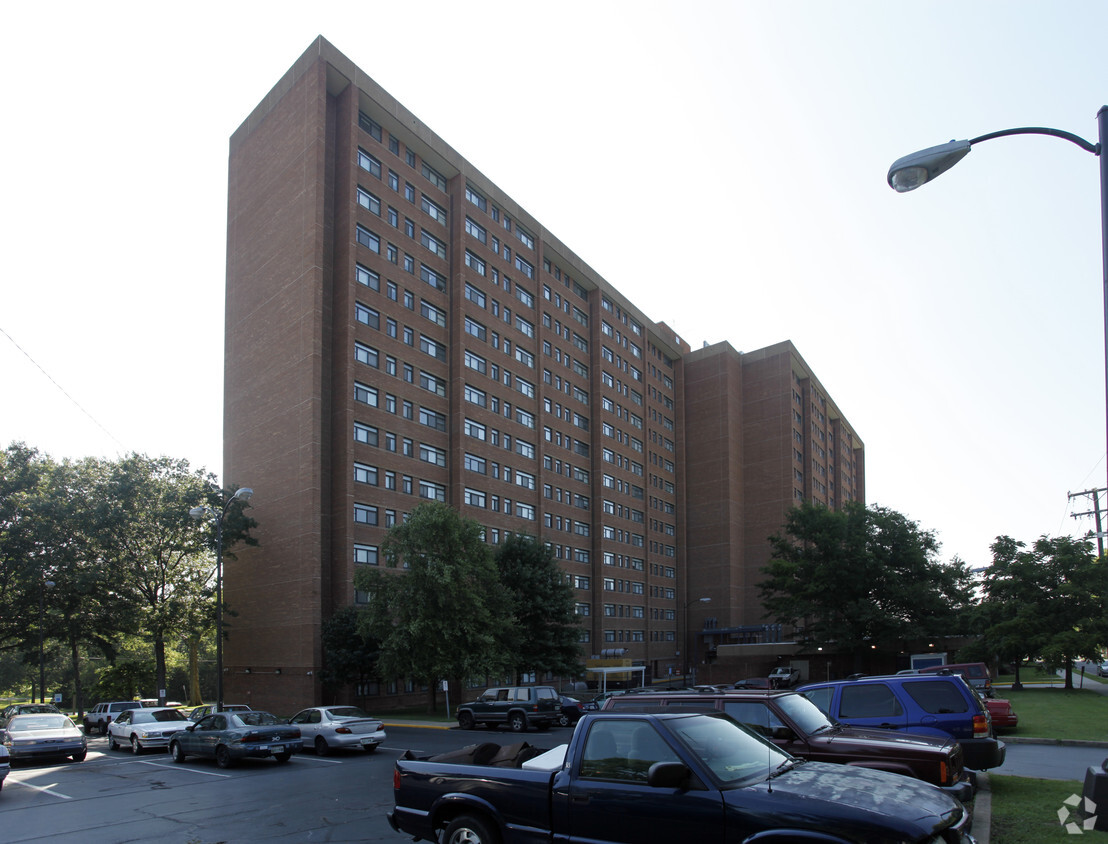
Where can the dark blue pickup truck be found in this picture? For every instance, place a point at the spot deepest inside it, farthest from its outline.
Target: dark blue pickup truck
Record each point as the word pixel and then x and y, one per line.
pixel 637 777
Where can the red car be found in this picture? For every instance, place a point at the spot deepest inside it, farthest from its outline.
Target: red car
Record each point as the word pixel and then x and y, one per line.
pixel 1004 717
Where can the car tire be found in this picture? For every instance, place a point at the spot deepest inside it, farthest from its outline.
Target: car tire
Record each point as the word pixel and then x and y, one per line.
pixel 369 748
pixel 113 744
pixel 282 758
pixel 223 757
pixel 465 720
pixel 469 829
pixel 80 755
pixel 176 752
pixel 136 746
pixel 517 722
pixel 321 746
pixel 563 720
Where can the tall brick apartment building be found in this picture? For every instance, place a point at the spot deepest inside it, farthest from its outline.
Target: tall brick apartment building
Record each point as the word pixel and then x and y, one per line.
pixel 399 329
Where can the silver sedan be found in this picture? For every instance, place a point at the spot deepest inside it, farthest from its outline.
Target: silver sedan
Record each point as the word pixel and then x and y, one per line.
pixel 43 735
pixel 142 728
pixel 329 727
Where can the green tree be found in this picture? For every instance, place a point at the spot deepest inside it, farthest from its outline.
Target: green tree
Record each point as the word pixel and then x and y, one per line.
pixel 860 577
pixel 349 655
pixel 1045 601
pixel 546 630
pixel 164 563
pixel 444 616
pixel 22 474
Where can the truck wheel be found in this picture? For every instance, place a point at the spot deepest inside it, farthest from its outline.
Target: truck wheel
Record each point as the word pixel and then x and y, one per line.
pixel 517 722
pixel 468 829
pixel 465 720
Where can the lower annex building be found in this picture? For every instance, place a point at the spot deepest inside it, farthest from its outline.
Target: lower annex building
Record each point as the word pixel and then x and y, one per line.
pixel 399 329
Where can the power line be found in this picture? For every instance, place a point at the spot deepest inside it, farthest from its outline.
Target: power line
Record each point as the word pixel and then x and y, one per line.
pixel 61 389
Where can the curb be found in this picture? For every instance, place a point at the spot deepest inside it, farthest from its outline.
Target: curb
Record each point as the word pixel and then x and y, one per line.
pixel 1057 742
pixel 982 810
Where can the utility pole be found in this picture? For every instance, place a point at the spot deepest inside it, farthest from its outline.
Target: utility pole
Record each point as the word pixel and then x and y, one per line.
pixel 1095 495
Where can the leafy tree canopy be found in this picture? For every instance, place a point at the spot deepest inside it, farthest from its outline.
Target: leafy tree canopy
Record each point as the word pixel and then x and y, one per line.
pixel 1046 601
pixel 545 634
pixel 860 577
pixel 445 616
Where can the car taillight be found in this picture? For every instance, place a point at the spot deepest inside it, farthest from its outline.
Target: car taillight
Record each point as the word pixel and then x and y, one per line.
pixel 980 726
pixel 396 779
pixel 344 730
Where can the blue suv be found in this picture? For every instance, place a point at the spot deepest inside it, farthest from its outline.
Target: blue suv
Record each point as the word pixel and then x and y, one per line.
pixel 930 704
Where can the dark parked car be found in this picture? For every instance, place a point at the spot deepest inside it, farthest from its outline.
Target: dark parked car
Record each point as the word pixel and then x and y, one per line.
pixel 519 707
pixel 930 704
pixel 5 765
pixel 208 708
pixel 230 736
pixel 43 735
pixel 797 726
pixel 676 776
pixel 27 709
pixel 572 710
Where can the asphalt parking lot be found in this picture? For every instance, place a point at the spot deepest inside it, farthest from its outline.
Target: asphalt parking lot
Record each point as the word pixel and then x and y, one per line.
pixel 118 797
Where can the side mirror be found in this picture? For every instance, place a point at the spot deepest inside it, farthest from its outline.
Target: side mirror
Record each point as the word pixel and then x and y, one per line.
pixel 668 775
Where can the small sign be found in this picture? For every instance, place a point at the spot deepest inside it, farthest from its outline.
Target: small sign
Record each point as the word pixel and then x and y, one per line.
pixel 445 686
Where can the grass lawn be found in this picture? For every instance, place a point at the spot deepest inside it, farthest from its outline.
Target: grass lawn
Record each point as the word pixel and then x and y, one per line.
pixel 1055 713
pixel 1025 811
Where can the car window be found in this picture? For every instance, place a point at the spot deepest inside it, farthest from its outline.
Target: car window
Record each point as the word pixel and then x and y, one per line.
pixel 937 697
pixel 164 715
pixel 315 717
pixel 872 700
pixel 521 694
pixel 757 716
pixel 348 712
pixel 821 697
pixel 502 694
pixel 258 719
pixel 546 693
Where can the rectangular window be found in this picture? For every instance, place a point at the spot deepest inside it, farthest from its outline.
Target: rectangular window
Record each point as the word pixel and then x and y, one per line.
pixel 432 419
pixel 365 354
pixel 368 163
pixel 474 498
pixel 365 433
pixel 432 243
pixel 525 448
pixel 436 315
pixel 430 347
pixel 365 555
pixel 476 198
pixel 433 210
pixel 368 239
pixel 524 325
pixel 475 362
pixel 370 125
pixel 431 277
pixel 365 394
pixel 474 328
pixel 476 230
pixel 527 269
pixel 475 295
pixel 367 277
pixel 474 263
pixel 369 201
pixel 434 177
pixel 475 396
pixel 432 384
pixel 474 429
pixel 473 463
pixel 525 238
pixel 432 491
pixel 364 514
pixel 365 474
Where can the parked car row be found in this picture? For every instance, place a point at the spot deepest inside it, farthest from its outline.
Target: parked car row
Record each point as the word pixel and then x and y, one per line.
pixel 31 731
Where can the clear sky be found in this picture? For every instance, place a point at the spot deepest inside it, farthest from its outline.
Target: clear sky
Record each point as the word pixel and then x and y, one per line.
pixel 723 164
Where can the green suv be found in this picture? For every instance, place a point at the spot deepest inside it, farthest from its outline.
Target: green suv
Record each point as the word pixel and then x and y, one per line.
pixel 519 707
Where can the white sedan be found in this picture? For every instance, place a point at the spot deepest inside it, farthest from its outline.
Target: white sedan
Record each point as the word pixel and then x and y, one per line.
pixel 329 727
pixel 140 729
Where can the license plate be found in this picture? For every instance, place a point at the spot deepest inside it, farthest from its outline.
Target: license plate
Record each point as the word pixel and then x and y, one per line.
pixel 367 741
pixel 276 748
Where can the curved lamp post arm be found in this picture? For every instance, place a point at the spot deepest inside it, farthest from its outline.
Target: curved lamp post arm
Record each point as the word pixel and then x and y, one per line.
pixel 911 171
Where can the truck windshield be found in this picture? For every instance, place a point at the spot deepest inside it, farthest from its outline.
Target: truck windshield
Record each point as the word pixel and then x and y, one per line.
pixel 733 754
pixel 805 714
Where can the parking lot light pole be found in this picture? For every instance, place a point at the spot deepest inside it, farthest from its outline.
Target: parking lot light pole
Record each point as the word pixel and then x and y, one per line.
pixel 685 672
pixel 911 171
pixel 242 494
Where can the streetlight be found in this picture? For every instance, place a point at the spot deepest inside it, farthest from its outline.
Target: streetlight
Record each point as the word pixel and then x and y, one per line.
pixel 911 171
pixel 241 494
pixel 688 604
pixel 46 584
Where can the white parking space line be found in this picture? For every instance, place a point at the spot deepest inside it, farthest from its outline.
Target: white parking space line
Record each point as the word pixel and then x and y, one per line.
pixel 47 789
pixel 176 767
pixel 313 758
